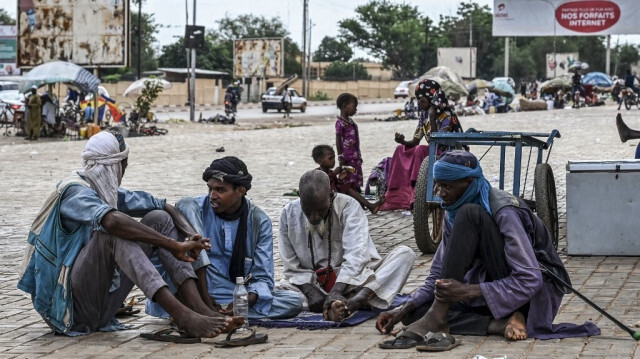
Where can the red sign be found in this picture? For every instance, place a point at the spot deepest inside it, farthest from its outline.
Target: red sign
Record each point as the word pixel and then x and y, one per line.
pixel 588 16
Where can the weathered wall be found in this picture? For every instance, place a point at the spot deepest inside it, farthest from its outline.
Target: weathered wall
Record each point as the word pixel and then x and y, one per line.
pixel 206 89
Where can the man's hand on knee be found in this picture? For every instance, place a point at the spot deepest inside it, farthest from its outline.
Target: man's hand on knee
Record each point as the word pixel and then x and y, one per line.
pixel 450 290
pixel 315 297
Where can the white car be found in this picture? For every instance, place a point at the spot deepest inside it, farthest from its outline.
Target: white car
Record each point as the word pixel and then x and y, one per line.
pixel 10 96
pixel 402 90
pixel 274 102
pixel 508 80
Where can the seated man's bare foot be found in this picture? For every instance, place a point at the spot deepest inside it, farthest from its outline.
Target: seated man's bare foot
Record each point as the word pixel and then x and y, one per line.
pixel 516 327
pixel 376 206
pixel 337 312
pixel 435 320
pixel 202 326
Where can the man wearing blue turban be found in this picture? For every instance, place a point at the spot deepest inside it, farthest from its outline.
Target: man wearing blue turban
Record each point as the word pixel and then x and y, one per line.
pixel 485 277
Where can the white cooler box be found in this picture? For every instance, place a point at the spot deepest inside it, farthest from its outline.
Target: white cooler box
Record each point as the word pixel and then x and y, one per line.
pixel 603 207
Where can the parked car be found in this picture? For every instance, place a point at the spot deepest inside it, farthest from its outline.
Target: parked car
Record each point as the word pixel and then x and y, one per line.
pixel 11 96
pixel 271 101
pixel 508 80
pixel 402 90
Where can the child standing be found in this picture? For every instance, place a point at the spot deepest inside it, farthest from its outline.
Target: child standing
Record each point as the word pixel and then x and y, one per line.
pixel 348 146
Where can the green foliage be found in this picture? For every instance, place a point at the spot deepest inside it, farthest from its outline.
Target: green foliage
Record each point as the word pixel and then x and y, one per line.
pixel 148 96
pixel 111 78
pixel 149 31
pixel 216 54
pixel 332 49
pixel 394 33
pixel 319 96
pixel 625 56
pixel 5 18
pixel 339 70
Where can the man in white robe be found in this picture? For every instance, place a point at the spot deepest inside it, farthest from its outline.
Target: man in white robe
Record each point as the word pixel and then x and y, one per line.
pixel 320 225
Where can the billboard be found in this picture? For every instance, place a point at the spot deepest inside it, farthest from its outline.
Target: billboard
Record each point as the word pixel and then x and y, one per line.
pixel 560 66
pixel 458 60
pixel 8 50
pixel 258 57
pixel 89 33
pixel 565 17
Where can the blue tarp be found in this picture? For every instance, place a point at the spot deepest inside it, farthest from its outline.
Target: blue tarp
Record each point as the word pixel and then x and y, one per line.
pixel 598 79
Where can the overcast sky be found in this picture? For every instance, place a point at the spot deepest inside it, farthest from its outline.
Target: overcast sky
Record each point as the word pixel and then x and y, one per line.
pixel 325 14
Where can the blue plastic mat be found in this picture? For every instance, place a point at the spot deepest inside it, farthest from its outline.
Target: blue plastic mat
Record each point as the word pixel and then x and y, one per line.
pixel 314 321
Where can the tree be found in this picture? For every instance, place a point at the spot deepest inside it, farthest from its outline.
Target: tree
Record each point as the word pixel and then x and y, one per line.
pixel 332 49
pixel 626 55
pixel 149 31
pixel 394 33
pixel 215 55
pixel 250 26
pixel 339 70
pixel 5 18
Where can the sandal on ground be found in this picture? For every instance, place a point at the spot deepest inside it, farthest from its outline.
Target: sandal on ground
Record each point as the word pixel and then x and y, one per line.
pixel 252 338
pixel 127 311
pixel 170 335
pixel 438 342
pixel 404 340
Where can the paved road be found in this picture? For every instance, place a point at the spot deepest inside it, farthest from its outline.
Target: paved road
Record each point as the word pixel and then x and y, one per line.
pixel 316 111
pixel 171 166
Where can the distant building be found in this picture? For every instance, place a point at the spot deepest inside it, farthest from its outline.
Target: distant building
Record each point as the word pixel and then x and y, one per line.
pixel 374 69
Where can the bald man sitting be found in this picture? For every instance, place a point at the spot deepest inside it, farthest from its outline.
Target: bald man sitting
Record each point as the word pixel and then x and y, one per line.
pixel 329 256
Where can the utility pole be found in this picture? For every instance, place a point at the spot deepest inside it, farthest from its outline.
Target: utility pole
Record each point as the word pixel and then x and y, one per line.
pixel 192 102
pixel 470 44
pixel 305 11
pixel 311 24
pixel 184 42
pixel 139 39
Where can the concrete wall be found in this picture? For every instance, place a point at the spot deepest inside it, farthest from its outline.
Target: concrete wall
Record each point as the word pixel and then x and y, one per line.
pixel 206 89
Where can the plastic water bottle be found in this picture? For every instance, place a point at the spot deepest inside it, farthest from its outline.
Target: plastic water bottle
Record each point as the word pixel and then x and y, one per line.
pixel 241 301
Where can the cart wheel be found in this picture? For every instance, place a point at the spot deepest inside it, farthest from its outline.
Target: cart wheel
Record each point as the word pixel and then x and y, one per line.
pixel 427 217
pixel 546 200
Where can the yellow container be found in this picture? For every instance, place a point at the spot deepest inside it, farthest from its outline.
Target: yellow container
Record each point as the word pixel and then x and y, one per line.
pixel 83 132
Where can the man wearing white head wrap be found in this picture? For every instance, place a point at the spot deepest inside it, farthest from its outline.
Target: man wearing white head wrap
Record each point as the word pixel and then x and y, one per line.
pixel 84 234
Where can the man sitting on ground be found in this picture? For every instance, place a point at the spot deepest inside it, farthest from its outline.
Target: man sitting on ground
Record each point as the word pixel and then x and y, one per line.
pixel 85 254
pixel 241 245
pixel 329 256
pixel 486 275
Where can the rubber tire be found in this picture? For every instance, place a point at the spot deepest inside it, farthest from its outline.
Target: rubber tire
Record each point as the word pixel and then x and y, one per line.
pixel 303 107
pixel 427 218
pixel 627 103
pixel 546 201
pixel 264 109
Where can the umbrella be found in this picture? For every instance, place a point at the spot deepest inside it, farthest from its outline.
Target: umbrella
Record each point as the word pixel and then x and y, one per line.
pixel 478 84
pixel 555 84
pixel 60 71
pixel 503 89
pixel 137 86
pixel 598 79
pixel 578 65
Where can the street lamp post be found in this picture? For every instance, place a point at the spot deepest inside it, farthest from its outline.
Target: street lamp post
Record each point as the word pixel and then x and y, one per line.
pixel 555 65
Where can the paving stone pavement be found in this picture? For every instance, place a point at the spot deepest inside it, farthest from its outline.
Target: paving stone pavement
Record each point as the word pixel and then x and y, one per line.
pixel 170 166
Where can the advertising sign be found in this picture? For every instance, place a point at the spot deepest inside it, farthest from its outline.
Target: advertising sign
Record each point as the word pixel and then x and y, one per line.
pixel 258 57
pixel 565 17
pixel 8 50
pixel 89 33
pixel 560 66
pixel 458 59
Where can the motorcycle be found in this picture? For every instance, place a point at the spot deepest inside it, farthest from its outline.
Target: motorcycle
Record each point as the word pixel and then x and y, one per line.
pixel 629 98
pixel 230 104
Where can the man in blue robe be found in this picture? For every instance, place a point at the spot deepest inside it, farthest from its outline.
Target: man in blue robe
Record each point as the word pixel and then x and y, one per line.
pixel 241 245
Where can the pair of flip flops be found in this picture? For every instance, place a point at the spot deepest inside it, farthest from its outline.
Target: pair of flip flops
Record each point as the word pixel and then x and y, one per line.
pixel 174 335
pixel 432 342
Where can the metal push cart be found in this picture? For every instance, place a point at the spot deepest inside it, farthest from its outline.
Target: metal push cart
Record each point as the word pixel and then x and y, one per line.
pixel 428 215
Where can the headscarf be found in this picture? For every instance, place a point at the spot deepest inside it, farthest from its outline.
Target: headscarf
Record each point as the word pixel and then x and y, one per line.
pixel 459 164
pixel 432 91
pixel 101 164
pixel 232 170
pixel 228 169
